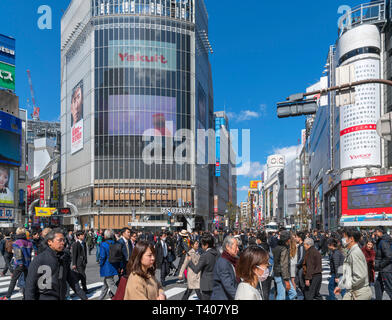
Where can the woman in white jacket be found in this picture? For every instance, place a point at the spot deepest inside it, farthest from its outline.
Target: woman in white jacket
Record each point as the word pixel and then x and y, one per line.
pixel 252 269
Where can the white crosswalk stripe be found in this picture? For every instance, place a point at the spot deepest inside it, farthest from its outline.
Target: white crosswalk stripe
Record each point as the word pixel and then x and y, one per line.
pixel 326 271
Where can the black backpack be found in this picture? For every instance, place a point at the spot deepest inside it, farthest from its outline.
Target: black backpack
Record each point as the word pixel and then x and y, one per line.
pixel 115 253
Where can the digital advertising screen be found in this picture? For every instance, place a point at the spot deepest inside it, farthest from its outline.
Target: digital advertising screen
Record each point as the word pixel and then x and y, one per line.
pixel 142 54
pixel 7 186
pixel 376 195
pixel 10 137
pixel 135 115
pixel 77 118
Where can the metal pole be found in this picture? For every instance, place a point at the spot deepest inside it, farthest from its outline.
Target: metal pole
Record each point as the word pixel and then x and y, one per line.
pixel 347 86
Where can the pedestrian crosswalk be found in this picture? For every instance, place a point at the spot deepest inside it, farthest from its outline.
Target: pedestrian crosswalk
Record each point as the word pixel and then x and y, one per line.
pixel 326 270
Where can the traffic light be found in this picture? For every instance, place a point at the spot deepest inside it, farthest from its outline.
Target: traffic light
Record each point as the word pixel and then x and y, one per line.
pixel 296 108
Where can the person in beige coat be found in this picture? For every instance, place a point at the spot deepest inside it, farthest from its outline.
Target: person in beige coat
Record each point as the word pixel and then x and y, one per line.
pixel 192 277
pixel 141 284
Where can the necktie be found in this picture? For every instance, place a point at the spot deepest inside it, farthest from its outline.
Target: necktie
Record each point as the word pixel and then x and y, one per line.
pixel 127 245
pixel 164 249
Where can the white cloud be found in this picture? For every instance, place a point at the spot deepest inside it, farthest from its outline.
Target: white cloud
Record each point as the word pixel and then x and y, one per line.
pixel 244 188
pixel 246 115
pixel 251 170
pixel 290 153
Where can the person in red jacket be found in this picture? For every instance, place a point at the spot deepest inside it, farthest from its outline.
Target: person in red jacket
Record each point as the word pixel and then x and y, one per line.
pixel 370 255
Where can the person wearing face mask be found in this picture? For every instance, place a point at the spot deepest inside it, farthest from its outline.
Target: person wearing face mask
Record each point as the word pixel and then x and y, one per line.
pixel 355 271
pixel 252 269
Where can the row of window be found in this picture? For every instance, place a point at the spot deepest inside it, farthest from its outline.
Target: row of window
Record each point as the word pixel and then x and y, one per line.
pixel 103 37
pixel 137 169
pixel 148 78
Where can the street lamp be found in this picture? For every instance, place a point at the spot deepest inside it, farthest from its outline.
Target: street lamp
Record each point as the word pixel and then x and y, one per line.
pixel 98 203
pixel 332 201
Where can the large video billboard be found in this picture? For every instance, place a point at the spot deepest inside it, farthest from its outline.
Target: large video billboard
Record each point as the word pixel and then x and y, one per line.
pixel 133 115
pixel 7 186
pixel 367 196
pixel 142 54
pixel 10 138
pixel 77 118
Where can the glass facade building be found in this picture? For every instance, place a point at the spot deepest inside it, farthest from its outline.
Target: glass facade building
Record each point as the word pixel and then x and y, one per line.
pixel 135 74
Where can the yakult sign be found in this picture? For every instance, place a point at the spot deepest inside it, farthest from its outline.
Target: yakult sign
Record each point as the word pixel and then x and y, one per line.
pixel 142 54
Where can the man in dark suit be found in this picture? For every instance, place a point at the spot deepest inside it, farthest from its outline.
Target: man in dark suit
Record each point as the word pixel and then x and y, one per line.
pixel 126 246
pixel 206 265
pixel 79 259
pixel 161 258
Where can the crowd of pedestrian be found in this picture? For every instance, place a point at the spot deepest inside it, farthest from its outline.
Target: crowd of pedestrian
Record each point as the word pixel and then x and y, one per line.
pixel 230 265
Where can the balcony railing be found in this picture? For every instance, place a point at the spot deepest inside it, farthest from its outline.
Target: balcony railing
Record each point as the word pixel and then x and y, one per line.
pixel 367 13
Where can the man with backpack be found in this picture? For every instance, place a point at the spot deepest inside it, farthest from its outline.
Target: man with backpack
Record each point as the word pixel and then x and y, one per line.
pixel 110 260
pixel 383 263
pixel 6 251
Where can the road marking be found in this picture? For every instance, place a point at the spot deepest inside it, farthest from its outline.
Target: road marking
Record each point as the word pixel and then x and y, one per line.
pixel 174 291
pixel 89 286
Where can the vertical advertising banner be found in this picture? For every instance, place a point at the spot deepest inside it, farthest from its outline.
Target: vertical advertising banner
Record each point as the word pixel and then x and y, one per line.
pixel 28 200
pixel 7 186
pixel 77 118
pixel 42 192
pixel 359 141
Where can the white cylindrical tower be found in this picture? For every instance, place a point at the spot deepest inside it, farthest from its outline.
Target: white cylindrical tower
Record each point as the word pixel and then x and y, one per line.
pixel 274 164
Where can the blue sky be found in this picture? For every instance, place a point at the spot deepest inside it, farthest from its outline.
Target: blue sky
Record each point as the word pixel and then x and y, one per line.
pixel 263 52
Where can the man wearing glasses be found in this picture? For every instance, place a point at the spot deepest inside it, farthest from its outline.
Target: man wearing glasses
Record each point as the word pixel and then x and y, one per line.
pixel 50 272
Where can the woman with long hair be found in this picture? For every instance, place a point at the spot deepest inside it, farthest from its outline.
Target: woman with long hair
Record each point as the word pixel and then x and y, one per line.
pixel 293 260
pixel 141 284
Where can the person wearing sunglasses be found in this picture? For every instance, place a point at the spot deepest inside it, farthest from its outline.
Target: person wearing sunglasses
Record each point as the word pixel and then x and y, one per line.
pixel 252 269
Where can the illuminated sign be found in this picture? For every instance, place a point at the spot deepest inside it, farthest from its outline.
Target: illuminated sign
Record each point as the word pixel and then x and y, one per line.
pixel 254 184
pixel 142 54
pixel 7 50
pixel 45 212
pixel 367 196
pixel 6 214
pixel 7 76
pixel 177 211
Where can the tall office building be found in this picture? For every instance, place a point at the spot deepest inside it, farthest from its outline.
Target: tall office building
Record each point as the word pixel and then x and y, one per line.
pixel 134 75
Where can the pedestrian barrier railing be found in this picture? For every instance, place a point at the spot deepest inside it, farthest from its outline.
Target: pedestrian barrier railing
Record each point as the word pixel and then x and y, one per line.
pixel 367 13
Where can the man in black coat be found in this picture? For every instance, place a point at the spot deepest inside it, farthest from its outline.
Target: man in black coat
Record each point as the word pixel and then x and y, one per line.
pixel 383 263
pixel 79 259
pixel 206 265
pixel 161 258
pixel 50 272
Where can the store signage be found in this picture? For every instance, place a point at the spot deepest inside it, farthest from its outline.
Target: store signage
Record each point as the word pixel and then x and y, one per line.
pixel 143 54
pixel 8 51
pixel 42 189
pixel 45 212
pixel 140 191
pixel 7 76
pixel 6 214
pixel 64 211
pixel 177 211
